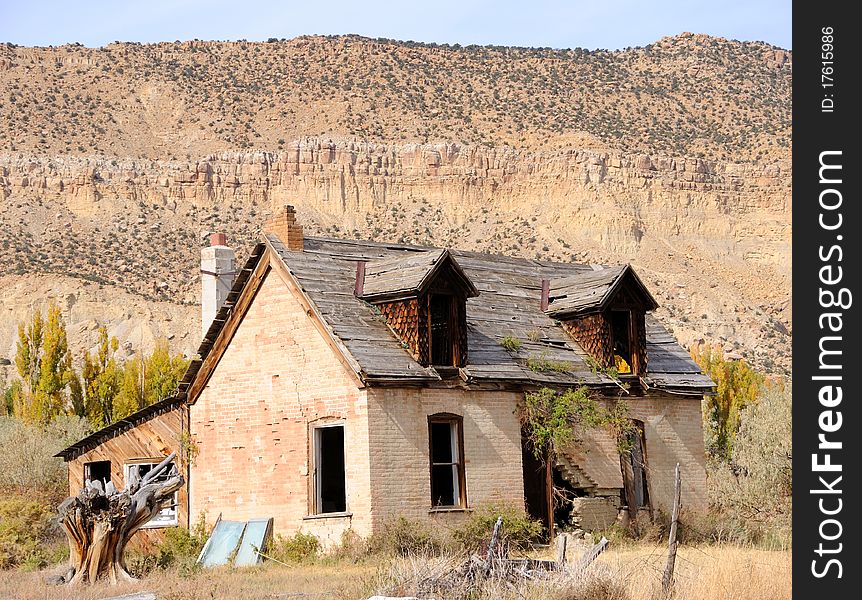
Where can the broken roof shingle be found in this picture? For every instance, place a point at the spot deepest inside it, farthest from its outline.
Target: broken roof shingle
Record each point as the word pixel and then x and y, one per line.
pixel 398 277
pixel 591 291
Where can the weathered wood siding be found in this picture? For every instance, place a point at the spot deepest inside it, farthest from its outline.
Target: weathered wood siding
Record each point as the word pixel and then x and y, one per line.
pixel 155 438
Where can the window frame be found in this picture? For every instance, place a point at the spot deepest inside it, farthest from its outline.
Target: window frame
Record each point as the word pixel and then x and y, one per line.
pixel 169 516
pixel 630 335
pixel 631 484
pixel 456 422
pixel 315 500
pixel 87 467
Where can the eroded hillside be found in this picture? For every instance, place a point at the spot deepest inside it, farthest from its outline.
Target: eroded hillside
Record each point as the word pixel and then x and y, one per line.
pixel 117 161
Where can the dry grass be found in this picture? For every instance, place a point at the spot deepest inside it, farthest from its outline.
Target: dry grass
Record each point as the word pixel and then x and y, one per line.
pixel 628 573
pixel 339 581
pixel 704 572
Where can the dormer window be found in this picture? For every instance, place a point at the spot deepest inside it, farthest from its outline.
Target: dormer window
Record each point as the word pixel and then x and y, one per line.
pixel 440 309
pixel 604 311
pixel 423 298
pixel 621 323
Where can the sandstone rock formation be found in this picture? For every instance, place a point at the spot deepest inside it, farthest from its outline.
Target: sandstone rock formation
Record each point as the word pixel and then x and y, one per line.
pixel 714 237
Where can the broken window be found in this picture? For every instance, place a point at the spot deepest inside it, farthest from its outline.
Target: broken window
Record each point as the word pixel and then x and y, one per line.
pixel 330 488
pixel 99 470
pixel 442 331
pixel 447 461
pixel 621 327
pixel 635 470
pixel 167 517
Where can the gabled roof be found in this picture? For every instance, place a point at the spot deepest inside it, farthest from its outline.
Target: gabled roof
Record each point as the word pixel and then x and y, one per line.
pixel 592 291
pixel 509 304
pixel 400 277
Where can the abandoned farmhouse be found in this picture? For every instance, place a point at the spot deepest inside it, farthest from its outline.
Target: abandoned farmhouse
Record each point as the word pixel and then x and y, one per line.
pixel 343 383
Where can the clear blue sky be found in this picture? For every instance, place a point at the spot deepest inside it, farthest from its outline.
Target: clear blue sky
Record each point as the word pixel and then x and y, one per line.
pixel 589 24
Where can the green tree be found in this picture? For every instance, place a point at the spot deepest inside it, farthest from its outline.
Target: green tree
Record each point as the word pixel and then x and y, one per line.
pixel 101 377
pixel 162 372
pixel 149 379
pixel 737 386
pixel 44 363
pixel 755 486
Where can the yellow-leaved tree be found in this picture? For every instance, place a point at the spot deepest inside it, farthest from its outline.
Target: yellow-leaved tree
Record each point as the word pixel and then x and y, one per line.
pixel 737 386
pixel 44 363
pixel 101 376
pixel 147 380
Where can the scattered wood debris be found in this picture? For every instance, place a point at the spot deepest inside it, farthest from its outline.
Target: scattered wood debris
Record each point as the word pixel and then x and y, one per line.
pixel 497 565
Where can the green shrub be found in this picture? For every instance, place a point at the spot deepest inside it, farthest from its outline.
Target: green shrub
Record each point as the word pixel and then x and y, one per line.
pixel 178 546
pixel 519 532
pixel 300 548
pixel 752 492
pixel 511 343
pixel 29 535
pixel 27 463
pixel 353 548
pixel 402 536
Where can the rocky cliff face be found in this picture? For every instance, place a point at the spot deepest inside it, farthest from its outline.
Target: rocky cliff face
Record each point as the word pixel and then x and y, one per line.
pixel 711 238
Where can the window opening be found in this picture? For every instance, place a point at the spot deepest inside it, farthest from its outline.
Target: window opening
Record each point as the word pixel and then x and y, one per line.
pixel 621 325
pixel 330 484
pixel 167 517
pixel 99 470
pixel 447 463
pixel 441 329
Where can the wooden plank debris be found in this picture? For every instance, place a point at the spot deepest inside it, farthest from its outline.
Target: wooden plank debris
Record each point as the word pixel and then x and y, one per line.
pixel 593 553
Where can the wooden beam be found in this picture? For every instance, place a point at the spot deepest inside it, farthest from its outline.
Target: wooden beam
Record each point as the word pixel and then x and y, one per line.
pixel 667 578
pixel 549 490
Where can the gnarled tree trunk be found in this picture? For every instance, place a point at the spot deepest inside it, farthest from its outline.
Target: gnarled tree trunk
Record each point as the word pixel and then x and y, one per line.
pixel 100 522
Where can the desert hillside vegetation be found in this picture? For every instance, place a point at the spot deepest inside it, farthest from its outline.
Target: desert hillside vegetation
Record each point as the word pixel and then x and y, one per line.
pixel 689 95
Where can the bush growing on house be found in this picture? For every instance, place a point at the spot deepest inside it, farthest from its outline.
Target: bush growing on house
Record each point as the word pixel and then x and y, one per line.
pixel 519 532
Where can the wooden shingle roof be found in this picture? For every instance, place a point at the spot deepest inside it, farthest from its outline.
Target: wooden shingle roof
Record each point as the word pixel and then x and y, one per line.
pixel 591 291
pixel 403 276
pixel 508 304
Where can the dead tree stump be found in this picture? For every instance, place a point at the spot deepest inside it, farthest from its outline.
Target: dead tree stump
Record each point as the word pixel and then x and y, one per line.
pixel 100 522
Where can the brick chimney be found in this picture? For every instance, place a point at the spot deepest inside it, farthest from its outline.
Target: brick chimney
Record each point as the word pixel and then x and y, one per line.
pixel 283 224
pixel 217 275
